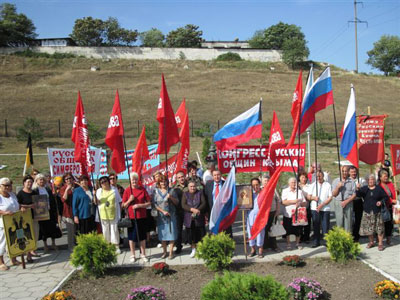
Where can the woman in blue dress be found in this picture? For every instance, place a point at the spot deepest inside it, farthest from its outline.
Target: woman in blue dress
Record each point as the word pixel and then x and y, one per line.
pixel 165 204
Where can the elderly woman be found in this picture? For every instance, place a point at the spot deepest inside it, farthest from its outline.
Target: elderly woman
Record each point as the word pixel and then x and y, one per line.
pixel 136 200
pixel 166 219
pixel 251 217
pixel 66 193
pixel 48 228
pixel 109 201
pixel 194 206
pixel 304 186
pixel 83 207
pixel 8 206
pixel 372 222
pixel 390 191
pixel 25 201
pixel 292 199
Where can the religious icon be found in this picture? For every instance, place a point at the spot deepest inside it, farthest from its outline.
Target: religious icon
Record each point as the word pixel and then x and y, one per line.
pixel 244 196
pixel 18 228
pixel 41 210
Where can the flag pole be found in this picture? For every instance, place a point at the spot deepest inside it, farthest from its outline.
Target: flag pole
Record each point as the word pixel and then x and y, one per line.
pixel 316 156
pixel 260 118
pixel 337 139
pixel 166 144
pixel 244 235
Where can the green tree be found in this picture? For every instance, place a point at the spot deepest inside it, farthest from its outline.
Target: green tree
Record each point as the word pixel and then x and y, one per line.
pixel 385 55
pixel 274 36
pixel 88 32
pixel 152 38
pixel 96 32
pixel 15 29
pixel 185 37
pixel 294 51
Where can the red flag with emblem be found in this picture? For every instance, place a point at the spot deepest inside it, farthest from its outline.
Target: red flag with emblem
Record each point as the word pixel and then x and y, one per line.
pixel 276 139
pixel 180 114
pixel 168 134
pixel 80 137
pixel 114 137
pixel 141 153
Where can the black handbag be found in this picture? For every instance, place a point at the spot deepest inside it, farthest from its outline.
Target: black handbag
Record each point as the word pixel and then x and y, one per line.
pixel 125 222
pixel 385 212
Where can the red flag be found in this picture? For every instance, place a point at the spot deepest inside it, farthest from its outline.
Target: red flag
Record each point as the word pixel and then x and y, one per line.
pixel 114 137
pixel 371 133
pixel 180 114
pixel 141 153
pixel 297 97
pixel 168 134
pixel 80 137
pixel 183 155
pixel 395 151
pixel 276 139
pixel 296 106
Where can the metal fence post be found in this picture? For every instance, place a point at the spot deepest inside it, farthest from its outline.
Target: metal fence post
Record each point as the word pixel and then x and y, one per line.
pixel 192 128
pixel 138 126
pixel 59 128
pixel 5 128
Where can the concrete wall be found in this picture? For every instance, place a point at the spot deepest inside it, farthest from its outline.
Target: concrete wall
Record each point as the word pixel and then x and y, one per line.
pixel 156 53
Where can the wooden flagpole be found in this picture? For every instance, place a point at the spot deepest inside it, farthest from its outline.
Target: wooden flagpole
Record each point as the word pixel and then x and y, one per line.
pixel 244 235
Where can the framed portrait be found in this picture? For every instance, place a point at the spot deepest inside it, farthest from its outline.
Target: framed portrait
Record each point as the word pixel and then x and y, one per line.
pixel 41 210
pixel 244 196
pixel 20 236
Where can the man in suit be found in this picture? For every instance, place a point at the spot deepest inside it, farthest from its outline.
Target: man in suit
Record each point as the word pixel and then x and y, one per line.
pixel 211 191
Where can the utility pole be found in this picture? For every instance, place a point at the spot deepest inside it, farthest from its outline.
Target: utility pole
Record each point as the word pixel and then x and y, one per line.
pixel 355 21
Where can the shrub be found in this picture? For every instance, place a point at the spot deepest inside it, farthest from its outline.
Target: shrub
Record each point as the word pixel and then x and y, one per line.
pixel 61 295
pixel 341 246
pixel 206 148
pixel 161 268
pixel 229 57
pixel 388 289
pixel 237 286
pixel 32 126
pixel 216 251
pixel 305 289
pixel 146 293
pixel 94 254
pixel 293 260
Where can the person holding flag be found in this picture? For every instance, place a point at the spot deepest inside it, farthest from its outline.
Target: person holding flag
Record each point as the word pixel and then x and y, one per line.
pixel 251 216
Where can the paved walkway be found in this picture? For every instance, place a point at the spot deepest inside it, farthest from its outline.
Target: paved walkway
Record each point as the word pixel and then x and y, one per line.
pixel 50 269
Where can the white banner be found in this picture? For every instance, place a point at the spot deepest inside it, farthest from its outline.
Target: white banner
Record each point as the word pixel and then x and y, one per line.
pixel 62 161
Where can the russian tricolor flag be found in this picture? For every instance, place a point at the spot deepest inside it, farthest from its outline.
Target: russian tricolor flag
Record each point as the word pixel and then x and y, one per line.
pixel 348 146
pixel 318 98
pixel 225 207
pixel 243 128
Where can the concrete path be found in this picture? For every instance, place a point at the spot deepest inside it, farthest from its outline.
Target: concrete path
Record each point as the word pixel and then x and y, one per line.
pixel 50 269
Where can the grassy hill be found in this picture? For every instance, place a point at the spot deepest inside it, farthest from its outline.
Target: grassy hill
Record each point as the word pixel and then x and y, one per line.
pixel 46 89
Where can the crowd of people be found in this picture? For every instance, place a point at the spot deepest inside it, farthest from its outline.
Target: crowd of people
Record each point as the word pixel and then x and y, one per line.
pixel 178 213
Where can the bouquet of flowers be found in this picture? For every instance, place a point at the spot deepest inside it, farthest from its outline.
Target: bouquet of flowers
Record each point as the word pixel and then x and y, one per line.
pixel 388 289
pixel 61 295
pixel 293 260
pixel 146 293
pixel 305 288
pixel 160 268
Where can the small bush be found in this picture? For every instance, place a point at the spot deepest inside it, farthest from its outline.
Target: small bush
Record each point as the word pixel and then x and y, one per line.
pixel 388 289
pixel 216 251
pixel 32 126
pixel 161 268
pixel 94 254
pixel 236 286
pixel 62 295
pixel 293 261
pixel 206 148
pixel 146 293
pixel 341 246
pixel 305 289
pixel 34 54
pixel 229 57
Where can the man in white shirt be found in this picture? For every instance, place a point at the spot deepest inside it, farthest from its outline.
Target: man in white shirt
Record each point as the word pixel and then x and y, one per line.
pixel 320 197
pixel 208 173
